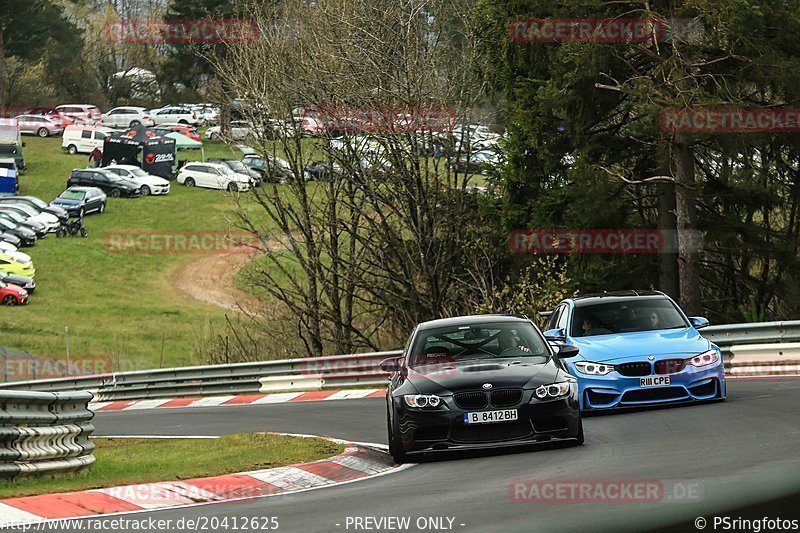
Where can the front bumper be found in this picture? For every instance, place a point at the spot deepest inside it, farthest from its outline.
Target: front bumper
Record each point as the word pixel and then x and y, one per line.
pixel 444 429
pixel 614 391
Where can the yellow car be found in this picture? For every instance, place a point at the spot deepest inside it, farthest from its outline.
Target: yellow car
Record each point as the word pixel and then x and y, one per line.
pixel 13 264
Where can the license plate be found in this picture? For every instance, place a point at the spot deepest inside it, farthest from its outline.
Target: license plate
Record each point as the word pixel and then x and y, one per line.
pixel 490 417
pixel 654 381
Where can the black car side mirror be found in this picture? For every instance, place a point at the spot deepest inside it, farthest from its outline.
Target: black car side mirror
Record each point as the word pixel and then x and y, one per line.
pixel 567 351
pixel 391 365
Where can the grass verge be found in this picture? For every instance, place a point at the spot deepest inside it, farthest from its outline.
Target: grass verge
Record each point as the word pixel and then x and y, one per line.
pixel 130 461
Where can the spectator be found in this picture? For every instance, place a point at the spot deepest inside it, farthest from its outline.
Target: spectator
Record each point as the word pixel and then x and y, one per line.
pixel 95 157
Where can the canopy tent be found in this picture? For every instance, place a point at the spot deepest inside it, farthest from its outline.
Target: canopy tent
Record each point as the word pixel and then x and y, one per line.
pixel 158 151
pixel 182 142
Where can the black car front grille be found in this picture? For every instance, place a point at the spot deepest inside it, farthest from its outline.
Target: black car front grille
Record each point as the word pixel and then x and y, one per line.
pixel 506 397
pixel 471 400
pixel 705 390
pixel 491 432
pixel 670 366
pixel 655 394
pixel 635 369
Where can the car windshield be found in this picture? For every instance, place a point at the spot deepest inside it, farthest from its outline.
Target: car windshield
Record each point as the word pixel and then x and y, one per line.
pixel 138 172
pixel 37 202
pixel 72 195
pixel 478 342
pixel 236 165
pixel 626 317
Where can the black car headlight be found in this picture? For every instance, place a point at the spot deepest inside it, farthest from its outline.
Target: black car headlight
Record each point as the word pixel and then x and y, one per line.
pixel 593 369
pixel 704 359
pixel 423 401
pixel 552 391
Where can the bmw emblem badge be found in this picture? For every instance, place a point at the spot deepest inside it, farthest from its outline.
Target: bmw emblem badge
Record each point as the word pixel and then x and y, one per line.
pixel 651 357
pixel 487 386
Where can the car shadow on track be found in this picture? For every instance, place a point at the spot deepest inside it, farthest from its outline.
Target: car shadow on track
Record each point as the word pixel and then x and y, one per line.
pixel 454 455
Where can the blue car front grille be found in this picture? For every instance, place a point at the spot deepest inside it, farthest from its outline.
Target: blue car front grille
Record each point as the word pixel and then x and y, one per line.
pixel 670 366
pixel 636 369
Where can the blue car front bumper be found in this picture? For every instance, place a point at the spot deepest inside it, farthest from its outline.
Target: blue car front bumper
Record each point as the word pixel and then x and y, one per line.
pixel 616 391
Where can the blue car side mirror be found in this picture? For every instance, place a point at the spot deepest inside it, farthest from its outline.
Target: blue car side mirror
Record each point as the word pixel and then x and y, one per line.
pixel 556 334
pixel 698 322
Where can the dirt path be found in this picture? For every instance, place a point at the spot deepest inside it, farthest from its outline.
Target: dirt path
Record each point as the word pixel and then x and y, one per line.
pixel 211 279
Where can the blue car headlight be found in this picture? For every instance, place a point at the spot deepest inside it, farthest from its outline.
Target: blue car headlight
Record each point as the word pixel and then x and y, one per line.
pixel 555 390
pixel 704 359
pixel 594 369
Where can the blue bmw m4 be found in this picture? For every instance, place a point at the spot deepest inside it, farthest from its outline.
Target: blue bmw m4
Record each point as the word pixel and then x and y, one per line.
pixel 636 349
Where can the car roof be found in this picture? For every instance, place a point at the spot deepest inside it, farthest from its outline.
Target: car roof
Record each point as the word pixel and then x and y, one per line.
pixel 126 167
pixel 617 296
pixel 82 189
pixel 471 319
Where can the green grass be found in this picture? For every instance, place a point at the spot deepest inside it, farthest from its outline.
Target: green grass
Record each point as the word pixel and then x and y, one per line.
pixel 128 461
pixel 120 307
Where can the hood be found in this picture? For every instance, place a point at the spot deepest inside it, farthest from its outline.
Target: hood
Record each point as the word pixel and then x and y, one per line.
pixel 445 378
pixel 618 347
pixel 69 203
pixel 17 280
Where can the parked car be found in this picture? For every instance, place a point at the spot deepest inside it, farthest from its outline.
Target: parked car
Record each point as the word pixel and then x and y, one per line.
pixel 240 131
pixel 14 265
pixel 184 129
pixel 213 176
pixel 127 117
pixel 6 247
pixel 81 113
pixel 319 171
pixel 26 236
pixel 147 183
pixel 37 203
pixel 39 125
pixel 175 114
pixel 478 162
pixel 6 239
pixel 79 201
pixel 37 227
pixel 23 281
pixel 109 182
pixel 241 168
pixel 83 139
pixel 50 222
pixel 11 294
pixel 273 169
pixel 52 114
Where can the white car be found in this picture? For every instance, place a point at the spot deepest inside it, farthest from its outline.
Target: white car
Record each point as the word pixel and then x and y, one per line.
pixel 127 117
pixel 240 131
pixel 50 221
pixel 148 183
pixel 81 113
pixel 213 176
pixel 7 247
pixel 39 125
pixel 175 115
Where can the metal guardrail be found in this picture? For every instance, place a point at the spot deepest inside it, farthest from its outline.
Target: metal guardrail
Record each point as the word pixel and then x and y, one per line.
pixel 44 432
pixel 317 373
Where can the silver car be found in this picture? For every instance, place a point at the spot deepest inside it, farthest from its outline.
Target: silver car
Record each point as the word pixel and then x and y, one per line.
pixel 39 125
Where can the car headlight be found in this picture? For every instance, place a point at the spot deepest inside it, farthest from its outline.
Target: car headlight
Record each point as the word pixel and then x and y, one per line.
pixel 593 369
pixel 556 390
pixel 704 359
pixel 421 401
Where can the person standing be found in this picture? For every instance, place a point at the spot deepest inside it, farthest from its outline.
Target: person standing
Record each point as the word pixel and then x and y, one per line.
pixel 95 157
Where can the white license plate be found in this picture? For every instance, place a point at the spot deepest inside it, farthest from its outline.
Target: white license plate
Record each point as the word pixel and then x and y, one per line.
pixel 654 381
pixel 490 417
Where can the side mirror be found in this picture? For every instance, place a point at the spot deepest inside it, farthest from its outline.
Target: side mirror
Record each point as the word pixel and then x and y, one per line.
pixel 567 351
pixel 556 334
pixel 698 322
pixel 391 365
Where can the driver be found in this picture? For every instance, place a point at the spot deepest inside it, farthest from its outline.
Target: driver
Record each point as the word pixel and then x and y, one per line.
pixel 508 343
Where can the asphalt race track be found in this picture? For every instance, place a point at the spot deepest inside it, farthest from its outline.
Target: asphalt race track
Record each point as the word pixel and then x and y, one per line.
pixel 739 452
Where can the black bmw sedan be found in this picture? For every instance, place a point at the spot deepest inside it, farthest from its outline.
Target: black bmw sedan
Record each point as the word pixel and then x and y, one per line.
pixel 484 381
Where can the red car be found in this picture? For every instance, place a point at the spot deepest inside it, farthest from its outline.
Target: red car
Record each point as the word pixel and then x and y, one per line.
pixel 12 294
pixel 189 131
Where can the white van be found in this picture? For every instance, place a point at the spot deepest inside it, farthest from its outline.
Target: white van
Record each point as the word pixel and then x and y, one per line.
pixel 83 139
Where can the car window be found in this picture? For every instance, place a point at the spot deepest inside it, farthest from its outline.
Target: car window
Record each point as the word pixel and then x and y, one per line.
pixel 86 134
pixel 99 136
pixel 563 317
pixel 626 317
pixel 551 324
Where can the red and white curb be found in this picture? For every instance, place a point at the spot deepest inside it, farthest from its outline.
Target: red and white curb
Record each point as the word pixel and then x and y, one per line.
pixel 246 399
pixel 358 461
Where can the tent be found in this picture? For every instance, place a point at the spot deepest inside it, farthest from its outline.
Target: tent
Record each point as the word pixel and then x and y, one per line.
pixel 182 142
pixel 158 151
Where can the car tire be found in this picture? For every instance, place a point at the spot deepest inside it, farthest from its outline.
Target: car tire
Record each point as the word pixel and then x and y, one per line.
pixel 145 190
pixel 134 123
pixel 579 436
pixel 211 136
pixel 114 193
pixel 189 182
pixel 9 299
pixel 182 121
pixel 232 187
pixel 43 132
pixel 72 149
pixel 395 445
